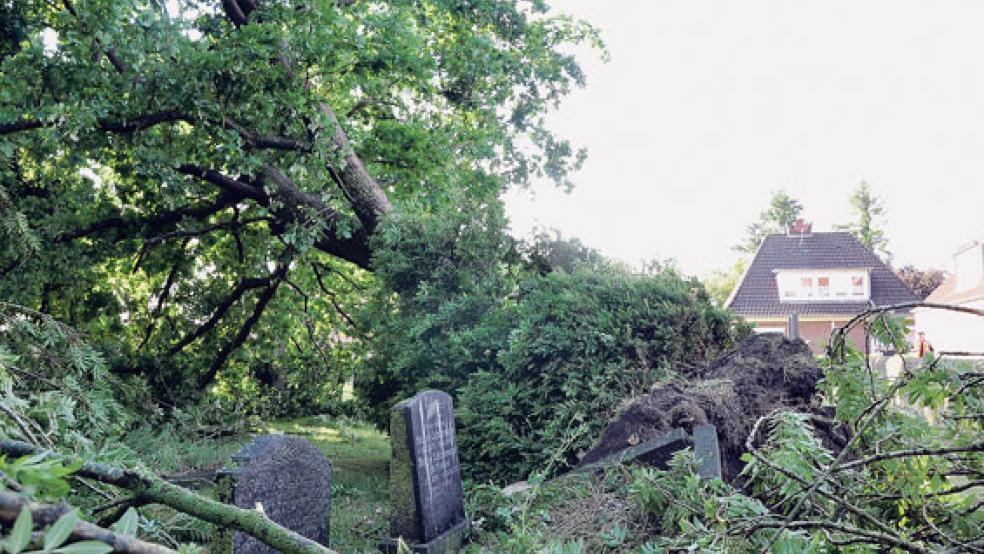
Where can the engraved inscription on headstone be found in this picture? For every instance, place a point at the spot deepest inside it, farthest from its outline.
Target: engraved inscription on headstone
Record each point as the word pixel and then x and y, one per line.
pixel 425 477
pixel 706 451
pixel 286 477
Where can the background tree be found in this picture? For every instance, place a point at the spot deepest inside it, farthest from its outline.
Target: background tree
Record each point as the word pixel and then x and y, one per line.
pixel 781 213
pixel 204 176
pixel 921 281
pixel 867 211
pixel 721 282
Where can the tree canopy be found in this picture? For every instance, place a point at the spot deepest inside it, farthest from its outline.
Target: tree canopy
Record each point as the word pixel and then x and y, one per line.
pixel 867 211
pixel 177 182
pixel 781 213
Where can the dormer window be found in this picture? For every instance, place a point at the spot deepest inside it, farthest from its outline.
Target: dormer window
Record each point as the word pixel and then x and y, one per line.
pixel 827 285
pixel 823 287
pixel 806 287
pixel 857 286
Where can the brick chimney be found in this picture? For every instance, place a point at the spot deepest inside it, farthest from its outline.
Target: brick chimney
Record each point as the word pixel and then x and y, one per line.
pixel 800 227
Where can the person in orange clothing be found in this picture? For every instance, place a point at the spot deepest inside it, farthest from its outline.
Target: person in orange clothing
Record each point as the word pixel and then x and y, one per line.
pixel 923 345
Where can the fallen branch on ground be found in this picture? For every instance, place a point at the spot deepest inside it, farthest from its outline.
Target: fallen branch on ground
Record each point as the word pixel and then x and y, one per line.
pixel 46 514
pixel 153 489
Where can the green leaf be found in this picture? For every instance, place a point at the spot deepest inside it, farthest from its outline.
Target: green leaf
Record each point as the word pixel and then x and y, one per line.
pixel 60 531
pixel 86 547
pixel 20 535
pixel 127 525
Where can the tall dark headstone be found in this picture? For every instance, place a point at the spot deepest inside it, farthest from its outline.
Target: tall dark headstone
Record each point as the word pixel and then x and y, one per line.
pixel 426 498
pixel 706 451
pixel 285 477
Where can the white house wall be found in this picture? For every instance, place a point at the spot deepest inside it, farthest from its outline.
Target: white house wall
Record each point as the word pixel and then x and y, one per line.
pixel 952 331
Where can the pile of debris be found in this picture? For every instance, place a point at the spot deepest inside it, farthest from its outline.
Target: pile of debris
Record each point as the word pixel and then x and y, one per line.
pixel 768 371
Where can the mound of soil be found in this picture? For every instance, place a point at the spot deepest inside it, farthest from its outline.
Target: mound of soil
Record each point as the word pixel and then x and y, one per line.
pixel 766 372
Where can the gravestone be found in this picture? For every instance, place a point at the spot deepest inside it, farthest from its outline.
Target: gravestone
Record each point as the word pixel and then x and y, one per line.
pixel 706 451
pixel 285 477
pixel 656 452
pixel 426 496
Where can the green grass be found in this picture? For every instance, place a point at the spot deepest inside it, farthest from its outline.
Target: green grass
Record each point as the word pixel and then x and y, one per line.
pixel 359 456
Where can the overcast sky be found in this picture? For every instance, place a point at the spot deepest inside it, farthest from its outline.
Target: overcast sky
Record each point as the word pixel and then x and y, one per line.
pixel 707 107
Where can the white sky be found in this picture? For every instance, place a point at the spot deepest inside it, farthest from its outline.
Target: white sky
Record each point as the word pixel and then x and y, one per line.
pixel 707 107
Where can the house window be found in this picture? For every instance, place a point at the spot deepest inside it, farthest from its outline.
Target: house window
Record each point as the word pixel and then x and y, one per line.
pixel 806 287
pixel 823 286
pixel 857 286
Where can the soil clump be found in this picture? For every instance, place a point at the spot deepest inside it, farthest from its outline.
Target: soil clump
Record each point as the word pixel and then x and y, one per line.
pixel 768 371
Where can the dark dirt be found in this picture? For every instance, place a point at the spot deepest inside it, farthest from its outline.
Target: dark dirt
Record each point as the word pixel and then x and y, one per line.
pixel 766 372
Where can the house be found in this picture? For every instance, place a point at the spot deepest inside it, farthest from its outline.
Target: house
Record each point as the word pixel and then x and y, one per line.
pixel 824 278
pixel 953 331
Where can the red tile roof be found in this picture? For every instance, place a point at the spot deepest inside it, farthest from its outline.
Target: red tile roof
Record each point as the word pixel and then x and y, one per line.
pixel 758 295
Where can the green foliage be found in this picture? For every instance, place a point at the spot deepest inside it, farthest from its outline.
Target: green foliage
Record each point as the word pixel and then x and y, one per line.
pixel 722 282
pixel 56 389
pixel 905 484
pixel 868 211
pixel 104 226
pixel 791 445
pixel 781 213
pixel 435 318
pixel 578 345
pixel 36 477
pixel 537 357
pixel 55 536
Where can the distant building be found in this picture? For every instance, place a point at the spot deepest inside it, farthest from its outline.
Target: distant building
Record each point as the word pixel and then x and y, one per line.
pixel 953 331
pixel 824 278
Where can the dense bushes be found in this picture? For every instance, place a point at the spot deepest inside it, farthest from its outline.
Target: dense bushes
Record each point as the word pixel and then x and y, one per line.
pixel 538 343
pixel 580 344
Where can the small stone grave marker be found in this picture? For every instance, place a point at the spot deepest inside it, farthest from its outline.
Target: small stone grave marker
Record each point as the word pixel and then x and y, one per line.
pixel 658 452
pixel 706 451
pixel 286 477
pixel 426 496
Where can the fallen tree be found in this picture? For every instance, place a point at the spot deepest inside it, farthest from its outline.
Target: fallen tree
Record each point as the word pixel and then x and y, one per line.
pixel 884 465
pixel 768 371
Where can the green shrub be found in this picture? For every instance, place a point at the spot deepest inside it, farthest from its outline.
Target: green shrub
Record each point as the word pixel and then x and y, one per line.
pixel 581 343
pixel 538 343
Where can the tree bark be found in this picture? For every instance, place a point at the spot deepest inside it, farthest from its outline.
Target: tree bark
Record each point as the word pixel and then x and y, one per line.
pixel 46 514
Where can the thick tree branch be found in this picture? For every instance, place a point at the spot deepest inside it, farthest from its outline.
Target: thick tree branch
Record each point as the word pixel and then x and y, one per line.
pixel 156 490
pixel 18 126
pixel 129 226
pixel 205 230
pixel 46 514
pixel 243 334
pixel 362 191
pixel 226 183
pixel 234 12
pixel 978 447
pixel 219 312
pixel 354 247
pixel 147 121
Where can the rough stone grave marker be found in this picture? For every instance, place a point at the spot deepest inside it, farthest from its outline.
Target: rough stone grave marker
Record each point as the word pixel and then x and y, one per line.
pixel 426 496
pixel 706 451
pixel 286 477
pixel 657 452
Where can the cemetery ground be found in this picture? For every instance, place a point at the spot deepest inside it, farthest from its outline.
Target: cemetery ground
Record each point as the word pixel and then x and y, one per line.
pixel 589 510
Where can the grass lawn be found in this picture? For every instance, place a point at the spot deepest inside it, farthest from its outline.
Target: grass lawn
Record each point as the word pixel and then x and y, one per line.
pixel 359 456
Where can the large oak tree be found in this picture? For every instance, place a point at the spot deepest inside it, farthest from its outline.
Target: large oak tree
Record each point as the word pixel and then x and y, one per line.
pixel 183 178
